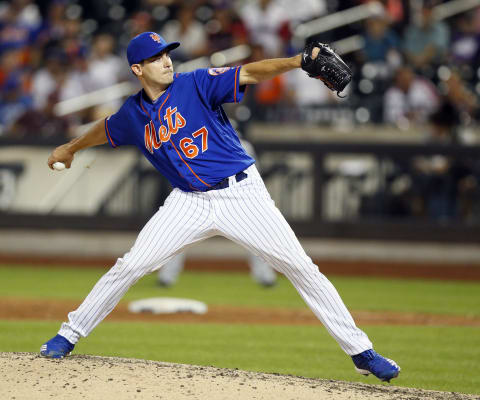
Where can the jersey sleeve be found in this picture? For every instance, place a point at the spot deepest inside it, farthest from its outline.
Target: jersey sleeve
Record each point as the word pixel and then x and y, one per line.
pixel 117 128
pixel 220 85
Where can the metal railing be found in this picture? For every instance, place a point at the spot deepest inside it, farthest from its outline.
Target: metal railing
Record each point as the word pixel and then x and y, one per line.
pixel 338 19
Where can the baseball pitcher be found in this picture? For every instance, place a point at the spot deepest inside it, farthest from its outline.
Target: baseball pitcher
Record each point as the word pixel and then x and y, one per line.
pixel 178 123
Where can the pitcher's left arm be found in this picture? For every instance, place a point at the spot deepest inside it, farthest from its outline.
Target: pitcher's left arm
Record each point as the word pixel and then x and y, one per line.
pixel 259 71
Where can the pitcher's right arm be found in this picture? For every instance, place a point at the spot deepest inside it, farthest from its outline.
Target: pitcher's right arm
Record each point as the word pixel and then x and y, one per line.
pixel 95 136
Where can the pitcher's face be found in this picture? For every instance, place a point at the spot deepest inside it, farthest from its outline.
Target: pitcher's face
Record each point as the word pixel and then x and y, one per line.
pixel 157 70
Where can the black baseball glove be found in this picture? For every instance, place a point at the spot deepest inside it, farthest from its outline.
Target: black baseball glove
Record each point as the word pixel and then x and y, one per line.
pixel 327 66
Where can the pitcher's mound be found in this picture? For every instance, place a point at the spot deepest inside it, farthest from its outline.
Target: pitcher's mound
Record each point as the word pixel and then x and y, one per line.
pixel 29 376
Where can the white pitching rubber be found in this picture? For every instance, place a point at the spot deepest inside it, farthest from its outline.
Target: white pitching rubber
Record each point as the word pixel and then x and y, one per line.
pixel 59 166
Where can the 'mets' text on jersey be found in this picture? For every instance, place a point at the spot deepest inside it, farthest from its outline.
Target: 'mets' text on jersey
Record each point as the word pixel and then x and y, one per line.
pixel 185 133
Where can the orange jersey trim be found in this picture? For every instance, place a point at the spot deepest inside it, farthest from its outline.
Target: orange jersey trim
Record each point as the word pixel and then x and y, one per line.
pixel 191 170
pixel 235 86
pixel 145 111
pixel 160 109
pixel 108 133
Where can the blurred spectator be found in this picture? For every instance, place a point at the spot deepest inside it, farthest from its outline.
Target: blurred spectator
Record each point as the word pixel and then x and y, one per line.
pixel 465 47
pixel 427 41
pixel 72 41
pixel 140 22
pixel 379 58
pixel 476 18
pixel 441 181
pixel 395 10
pixel 308 95
pixel 410 99
pixel 272 22
pixel 264 20
pixel 49 78
pixel 10 64
pixel 17 22
pixel 14 102
pixel 304 10
pixel 70 53
pixel 443 125
pixel 225 30
pixel 189 32
pixel 20 22
pixel 41 123
pixel 104 67
pixel 269 94
pixel 458 94
pixel 53 27
pixel 381 43
pixel 77 81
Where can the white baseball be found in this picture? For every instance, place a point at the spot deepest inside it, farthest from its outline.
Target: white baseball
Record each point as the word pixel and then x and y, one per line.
pixel 59 166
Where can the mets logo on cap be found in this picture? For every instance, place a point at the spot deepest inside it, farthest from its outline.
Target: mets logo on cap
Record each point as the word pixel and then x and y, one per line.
pixel 146 45
pixel 156 37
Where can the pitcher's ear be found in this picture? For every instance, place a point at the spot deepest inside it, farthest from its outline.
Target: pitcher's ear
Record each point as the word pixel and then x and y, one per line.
pixel 136 69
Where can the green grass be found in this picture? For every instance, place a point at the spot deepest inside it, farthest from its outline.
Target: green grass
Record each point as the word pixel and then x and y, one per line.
pixel 437 358
pixel 237 289
pixel 441 358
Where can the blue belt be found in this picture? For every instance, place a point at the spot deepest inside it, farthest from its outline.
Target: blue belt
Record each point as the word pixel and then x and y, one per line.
pixel 225 182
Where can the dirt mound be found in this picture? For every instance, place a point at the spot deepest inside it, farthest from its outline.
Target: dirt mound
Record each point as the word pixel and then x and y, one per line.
pixel 28 376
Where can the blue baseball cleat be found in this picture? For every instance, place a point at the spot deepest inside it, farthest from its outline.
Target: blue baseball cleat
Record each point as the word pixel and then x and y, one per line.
pixel 56 347
pixel 370 362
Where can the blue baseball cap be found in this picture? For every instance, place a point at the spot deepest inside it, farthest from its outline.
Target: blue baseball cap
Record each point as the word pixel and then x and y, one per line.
pixel 146 45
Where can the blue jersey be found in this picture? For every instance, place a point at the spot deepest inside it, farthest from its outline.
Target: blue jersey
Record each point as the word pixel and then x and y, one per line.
pixel 185 133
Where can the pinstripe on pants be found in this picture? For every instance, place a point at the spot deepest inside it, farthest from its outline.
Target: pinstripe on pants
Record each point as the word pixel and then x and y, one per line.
pixel 244 213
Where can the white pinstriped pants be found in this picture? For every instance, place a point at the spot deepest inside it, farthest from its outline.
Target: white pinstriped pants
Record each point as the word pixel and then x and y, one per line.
pixel 244 213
